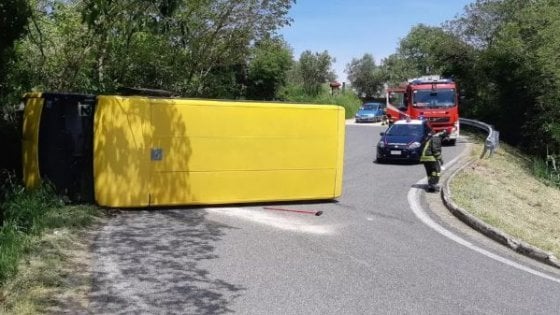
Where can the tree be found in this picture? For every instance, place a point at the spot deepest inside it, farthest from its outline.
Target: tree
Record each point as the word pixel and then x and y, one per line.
pixel 365 76
pixel 196 39
pixel 14 15
pixel 13 20
pixel 524 71
pixel 430 50
pixel 427 50
pixel 513 74
pixel 315 69
pixel 196 48
pixel 268 68
pixel 56 53
pixel 396 69
pixel 483 19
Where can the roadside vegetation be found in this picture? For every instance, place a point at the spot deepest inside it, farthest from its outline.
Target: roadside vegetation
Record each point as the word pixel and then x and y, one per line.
pixel 548 170
pixel 43 250
pixel 347 99
pixel 504 192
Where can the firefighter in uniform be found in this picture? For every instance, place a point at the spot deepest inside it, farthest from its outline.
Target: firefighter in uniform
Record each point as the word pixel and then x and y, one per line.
pixel 432 159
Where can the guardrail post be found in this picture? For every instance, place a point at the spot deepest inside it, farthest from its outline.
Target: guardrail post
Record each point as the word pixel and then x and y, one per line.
pixel 496 139
pixel 490 145
pixel 492 141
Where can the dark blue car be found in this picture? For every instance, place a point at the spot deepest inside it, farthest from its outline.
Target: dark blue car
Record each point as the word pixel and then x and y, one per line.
pixel 403 141
pixel 370 112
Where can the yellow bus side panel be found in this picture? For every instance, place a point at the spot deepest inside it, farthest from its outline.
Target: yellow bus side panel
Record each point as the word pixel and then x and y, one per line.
pixel 30 141
pixel 223 152
pixel 341 134
pixel 214 152
pixel 244 153
pixel 241 186
pixel 121 151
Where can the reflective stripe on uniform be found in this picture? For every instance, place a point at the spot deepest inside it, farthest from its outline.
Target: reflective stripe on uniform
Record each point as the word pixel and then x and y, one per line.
pixel 424 157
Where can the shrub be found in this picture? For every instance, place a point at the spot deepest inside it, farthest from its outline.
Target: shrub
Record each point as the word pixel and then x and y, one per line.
pixel 23 209
pixel 347 99
pixel 23 213
pixel 548 170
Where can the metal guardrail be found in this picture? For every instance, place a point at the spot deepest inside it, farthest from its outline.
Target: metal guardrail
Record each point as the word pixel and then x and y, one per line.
pixel 492 141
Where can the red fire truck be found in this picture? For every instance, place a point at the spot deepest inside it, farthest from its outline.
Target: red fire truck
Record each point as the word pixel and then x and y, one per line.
pixel 429 97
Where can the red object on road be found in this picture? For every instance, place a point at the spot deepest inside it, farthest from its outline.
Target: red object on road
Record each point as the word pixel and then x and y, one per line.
pixel 317 213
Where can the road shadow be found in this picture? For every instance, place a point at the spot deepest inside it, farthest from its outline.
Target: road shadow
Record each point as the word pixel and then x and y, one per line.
pixel 395 162
pixel 227 205
pixel 150 262
pixel 425 188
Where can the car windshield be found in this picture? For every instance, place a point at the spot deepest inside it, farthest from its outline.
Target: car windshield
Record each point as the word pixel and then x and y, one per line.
pixel 434 98
pixel 370 106
pixel 406 130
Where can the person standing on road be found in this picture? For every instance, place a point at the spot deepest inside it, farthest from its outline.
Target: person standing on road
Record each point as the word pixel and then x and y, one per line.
pixel 432 159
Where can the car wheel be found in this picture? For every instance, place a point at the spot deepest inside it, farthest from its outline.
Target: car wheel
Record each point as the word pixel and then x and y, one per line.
pixel 379 160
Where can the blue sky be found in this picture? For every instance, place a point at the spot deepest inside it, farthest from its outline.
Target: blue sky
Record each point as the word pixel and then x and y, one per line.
pixel 350 28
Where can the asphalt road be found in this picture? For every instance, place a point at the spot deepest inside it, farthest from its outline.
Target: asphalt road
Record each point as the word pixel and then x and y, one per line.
pixel 367 254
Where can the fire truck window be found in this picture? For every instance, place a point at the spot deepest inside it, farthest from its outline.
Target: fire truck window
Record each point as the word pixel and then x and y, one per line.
pixel 430 98
pixel 397 100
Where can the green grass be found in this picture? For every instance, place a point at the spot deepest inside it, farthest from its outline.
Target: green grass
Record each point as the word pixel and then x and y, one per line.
pixel 504 192
pixel 545 170
pixel 12 244
pixel 41 245
pixel 22 213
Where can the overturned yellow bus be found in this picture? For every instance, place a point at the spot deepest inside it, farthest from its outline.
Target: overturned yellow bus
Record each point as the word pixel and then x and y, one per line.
pixel 141 151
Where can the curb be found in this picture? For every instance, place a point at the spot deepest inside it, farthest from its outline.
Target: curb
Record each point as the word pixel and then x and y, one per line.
pixel 490 231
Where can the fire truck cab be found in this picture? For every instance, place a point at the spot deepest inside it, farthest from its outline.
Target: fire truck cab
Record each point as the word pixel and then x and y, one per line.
pixel 430 97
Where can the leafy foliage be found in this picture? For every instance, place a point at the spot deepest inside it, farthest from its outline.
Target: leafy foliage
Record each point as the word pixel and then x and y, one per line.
pixel 268 68
pixel 365 76
pixel 395 69
pixel 190 43
pixel 13 19
pixel 196 48
pixel 521 81
pixel 345 98
pixel 314 69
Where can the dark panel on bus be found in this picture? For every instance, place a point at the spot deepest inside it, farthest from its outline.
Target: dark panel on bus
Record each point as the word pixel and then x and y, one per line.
pixel 66 144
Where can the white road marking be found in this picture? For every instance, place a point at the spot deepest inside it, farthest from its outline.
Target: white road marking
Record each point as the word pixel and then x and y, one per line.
pixel 414 202
pixel 266 217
